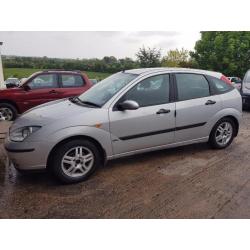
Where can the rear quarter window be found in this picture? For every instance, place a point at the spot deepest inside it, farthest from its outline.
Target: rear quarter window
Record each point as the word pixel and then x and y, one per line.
pixel 220 86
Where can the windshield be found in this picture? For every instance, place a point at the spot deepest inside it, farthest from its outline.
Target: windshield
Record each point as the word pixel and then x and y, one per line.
pixel 24 80
pixel 107 88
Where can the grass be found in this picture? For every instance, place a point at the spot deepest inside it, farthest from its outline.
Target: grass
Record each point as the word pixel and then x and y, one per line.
pixel 25 72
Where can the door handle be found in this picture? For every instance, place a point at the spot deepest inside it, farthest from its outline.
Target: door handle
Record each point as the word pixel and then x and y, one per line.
pixel 53 92
pixel 210 102
pixel 162 111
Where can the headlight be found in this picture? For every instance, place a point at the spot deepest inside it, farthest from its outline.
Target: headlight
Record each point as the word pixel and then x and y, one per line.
pixel 20 134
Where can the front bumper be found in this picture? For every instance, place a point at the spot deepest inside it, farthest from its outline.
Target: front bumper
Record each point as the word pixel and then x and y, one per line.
pixel 26 155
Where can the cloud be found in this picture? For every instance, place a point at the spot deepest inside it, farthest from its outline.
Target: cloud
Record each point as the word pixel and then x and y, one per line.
pixel 90 44
pixel 156 33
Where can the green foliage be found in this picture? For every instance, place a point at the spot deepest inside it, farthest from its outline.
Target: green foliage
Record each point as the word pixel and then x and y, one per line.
pixel 25 72
pixel 109 64
pixel 176 58
pixel 149 57
pixel 224 51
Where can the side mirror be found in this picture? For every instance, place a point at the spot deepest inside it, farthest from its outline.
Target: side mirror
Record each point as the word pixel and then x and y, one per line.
pixel 128 105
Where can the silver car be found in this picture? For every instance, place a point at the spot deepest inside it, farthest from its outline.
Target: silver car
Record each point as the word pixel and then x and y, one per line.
pixel 130 112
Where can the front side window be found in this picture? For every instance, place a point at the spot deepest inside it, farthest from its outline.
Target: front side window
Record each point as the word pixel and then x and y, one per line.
pixel 191 86
pixel 151 91
pixel 71 81
pixel 44 81
pixel 107 88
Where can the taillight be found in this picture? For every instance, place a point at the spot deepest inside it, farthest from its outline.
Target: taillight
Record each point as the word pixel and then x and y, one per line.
pixel 226 80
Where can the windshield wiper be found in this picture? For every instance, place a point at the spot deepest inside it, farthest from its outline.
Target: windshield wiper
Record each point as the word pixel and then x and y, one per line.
pixel 76 99
pixel 90 103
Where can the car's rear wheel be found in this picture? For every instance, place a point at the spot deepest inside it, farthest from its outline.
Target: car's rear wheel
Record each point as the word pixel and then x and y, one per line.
pixel 222 133
pixel 75 161
pixel 7 112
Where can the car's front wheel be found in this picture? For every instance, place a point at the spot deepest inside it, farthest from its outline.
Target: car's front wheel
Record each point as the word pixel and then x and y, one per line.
pixel 75 161
pixel 8 112
pixel 222 133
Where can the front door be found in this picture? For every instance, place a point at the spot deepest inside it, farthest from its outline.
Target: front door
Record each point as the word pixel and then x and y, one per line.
pixel 42 88
pixel 151 125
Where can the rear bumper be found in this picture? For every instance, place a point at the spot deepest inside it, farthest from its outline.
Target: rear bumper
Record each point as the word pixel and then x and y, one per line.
pixel 245 100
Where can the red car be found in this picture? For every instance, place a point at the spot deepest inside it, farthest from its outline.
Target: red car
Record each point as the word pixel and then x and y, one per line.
pixel 39 88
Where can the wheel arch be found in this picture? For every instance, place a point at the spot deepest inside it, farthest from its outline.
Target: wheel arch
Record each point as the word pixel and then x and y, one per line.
pixel 10 102
pixel 82 137
pixel 236 122
pixel 234 119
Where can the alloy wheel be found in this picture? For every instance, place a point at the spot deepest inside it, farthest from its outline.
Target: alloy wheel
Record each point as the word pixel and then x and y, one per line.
pixel 77 161
pixel 6 113
pixel 224 133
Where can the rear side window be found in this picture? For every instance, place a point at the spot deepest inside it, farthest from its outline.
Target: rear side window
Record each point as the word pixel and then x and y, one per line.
pixel 150 91
pixel 191 86
pixel 71 81
pixel 220 86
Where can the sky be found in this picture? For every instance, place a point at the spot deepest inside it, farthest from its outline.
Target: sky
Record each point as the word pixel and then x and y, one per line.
pixel 92 44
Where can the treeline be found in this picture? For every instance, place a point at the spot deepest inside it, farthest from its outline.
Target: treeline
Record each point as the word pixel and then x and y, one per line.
pixel 145 57
pixel 108 64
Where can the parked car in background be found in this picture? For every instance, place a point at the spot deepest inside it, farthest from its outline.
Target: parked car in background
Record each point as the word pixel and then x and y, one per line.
pixel 236 81
pixel 12 82
pixel 130 112
pixel 245 90
pixel 39 88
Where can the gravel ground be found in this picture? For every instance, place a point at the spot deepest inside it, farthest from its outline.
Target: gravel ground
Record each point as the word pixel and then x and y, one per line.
pixel 187 182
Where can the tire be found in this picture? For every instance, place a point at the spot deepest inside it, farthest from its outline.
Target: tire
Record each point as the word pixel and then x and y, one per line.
pixel 218 142
pixel 70 164
pixel 245 107
pixel 8 111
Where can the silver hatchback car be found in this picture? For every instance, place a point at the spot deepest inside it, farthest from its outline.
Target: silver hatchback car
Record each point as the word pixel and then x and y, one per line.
pixel 130 112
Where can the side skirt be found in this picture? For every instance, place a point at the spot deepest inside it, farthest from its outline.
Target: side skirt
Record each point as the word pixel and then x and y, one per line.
pixel 172 145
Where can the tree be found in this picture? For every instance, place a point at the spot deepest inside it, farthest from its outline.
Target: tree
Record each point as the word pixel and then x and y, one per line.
pixel 224 51
pixel 149 57
pixel 176 58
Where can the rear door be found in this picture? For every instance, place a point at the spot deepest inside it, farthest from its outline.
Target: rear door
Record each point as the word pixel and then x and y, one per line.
pixel 71 85
pixel 153 124
pixel 42 88
pixel 194 107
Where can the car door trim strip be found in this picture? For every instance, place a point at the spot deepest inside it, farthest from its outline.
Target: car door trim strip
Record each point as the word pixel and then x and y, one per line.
pixel 129 137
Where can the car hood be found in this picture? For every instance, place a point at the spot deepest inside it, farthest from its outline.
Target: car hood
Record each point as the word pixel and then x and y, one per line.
pixel 9 91
pixel 56 111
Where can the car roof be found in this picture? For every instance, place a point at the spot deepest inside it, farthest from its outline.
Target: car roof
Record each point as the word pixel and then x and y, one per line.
pixel 146 71
pixel 60 71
